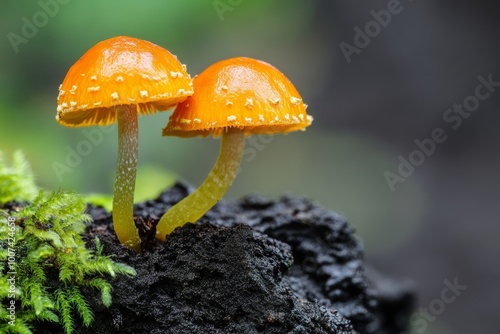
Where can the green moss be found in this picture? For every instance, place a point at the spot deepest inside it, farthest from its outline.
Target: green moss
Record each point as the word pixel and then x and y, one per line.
pixel 16 181
pixel 44 262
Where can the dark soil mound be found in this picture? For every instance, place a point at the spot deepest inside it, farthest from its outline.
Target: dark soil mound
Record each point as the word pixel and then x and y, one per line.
pixel 253 266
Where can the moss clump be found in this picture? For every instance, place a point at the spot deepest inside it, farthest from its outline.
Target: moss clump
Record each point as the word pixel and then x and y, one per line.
pixel 41 243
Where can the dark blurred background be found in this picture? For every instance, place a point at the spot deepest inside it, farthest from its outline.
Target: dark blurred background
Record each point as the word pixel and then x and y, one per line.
pixel 377 76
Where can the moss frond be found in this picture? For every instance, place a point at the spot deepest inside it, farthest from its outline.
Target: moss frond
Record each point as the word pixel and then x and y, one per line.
pixel 78 301
pixel 105 288
pixel 64 308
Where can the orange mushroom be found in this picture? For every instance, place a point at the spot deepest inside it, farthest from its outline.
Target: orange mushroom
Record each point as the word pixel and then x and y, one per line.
pixel 117 79
pixel 233 98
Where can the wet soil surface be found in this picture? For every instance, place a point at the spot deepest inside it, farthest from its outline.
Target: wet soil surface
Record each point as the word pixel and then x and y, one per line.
pixel 252 266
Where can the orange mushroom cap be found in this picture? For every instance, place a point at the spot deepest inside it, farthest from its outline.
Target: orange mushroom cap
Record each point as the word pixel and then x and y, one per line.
pixel 243 93
pixel 121 71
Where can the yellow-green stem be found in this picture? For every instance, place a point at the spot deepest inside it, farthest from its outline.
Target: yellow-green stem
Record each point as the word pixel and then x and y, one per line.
pixel 194 206
pixel 123 199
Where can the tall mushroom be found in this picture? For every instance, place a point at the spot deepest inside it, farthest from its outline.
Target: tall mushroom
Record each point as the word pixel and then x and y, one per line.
pixel 117 79
pixel 233 98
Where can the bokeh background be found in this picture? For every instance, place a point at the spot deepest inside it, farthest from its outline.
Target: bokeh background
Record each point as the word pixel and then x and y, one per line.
pixel 440 224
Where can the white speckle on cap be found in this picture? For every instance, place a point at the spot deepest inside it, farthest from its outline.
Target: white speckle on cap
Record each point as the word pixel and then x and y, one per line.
pixel 197 120
pixel 114 96
pixel 93 88
pixel 97 103
pixel 72 90
pixel 184 92
pixel 276 118
pixel 301 116
pixel 229 103
pixel 83 74
pixel 144 93
pixel 213 123
pixel 185 121
pixel 224 87
pixel 287 117
pixel 275 100
pixel 61 93
pixel 295 119
pixel 64 105
pixel 72 103
pixel 184 67
pixel 305 105
pixel 231 118
pixel 310 118
pixel 60 86
pixel 248 120
pixel 131 99
pixel 249 103
pixel 119 78
pixel 175 74
pixel 295 100
pixel 59 108
pixel 145 76
pixel 261 118
pixel 93 78
pixel 84 106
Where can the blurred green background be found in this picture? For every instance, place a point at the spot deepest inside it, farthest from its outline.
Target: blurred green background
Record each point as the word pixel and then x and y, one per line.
pixel 367 113
pixel 341 170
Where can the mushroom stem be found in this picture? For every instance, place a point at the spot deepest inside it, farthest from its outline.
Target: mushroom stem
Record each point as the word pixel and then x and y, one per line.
pixel 123 199
pixel 194 206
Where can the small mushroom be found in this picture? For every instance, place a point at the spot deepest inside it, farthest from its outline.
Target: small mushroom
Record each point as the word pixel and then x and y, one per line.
pixel 234 98
pixel 117 79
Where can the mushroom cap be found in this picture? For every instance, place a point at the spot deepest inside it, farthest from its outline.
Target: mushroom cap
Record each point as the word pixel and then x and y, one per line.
pixel 121 71
pixel 242 93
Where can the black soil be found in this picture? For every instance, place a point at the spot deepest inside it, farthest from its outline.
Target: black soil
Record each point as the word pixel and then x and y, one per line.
pixel 252 266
